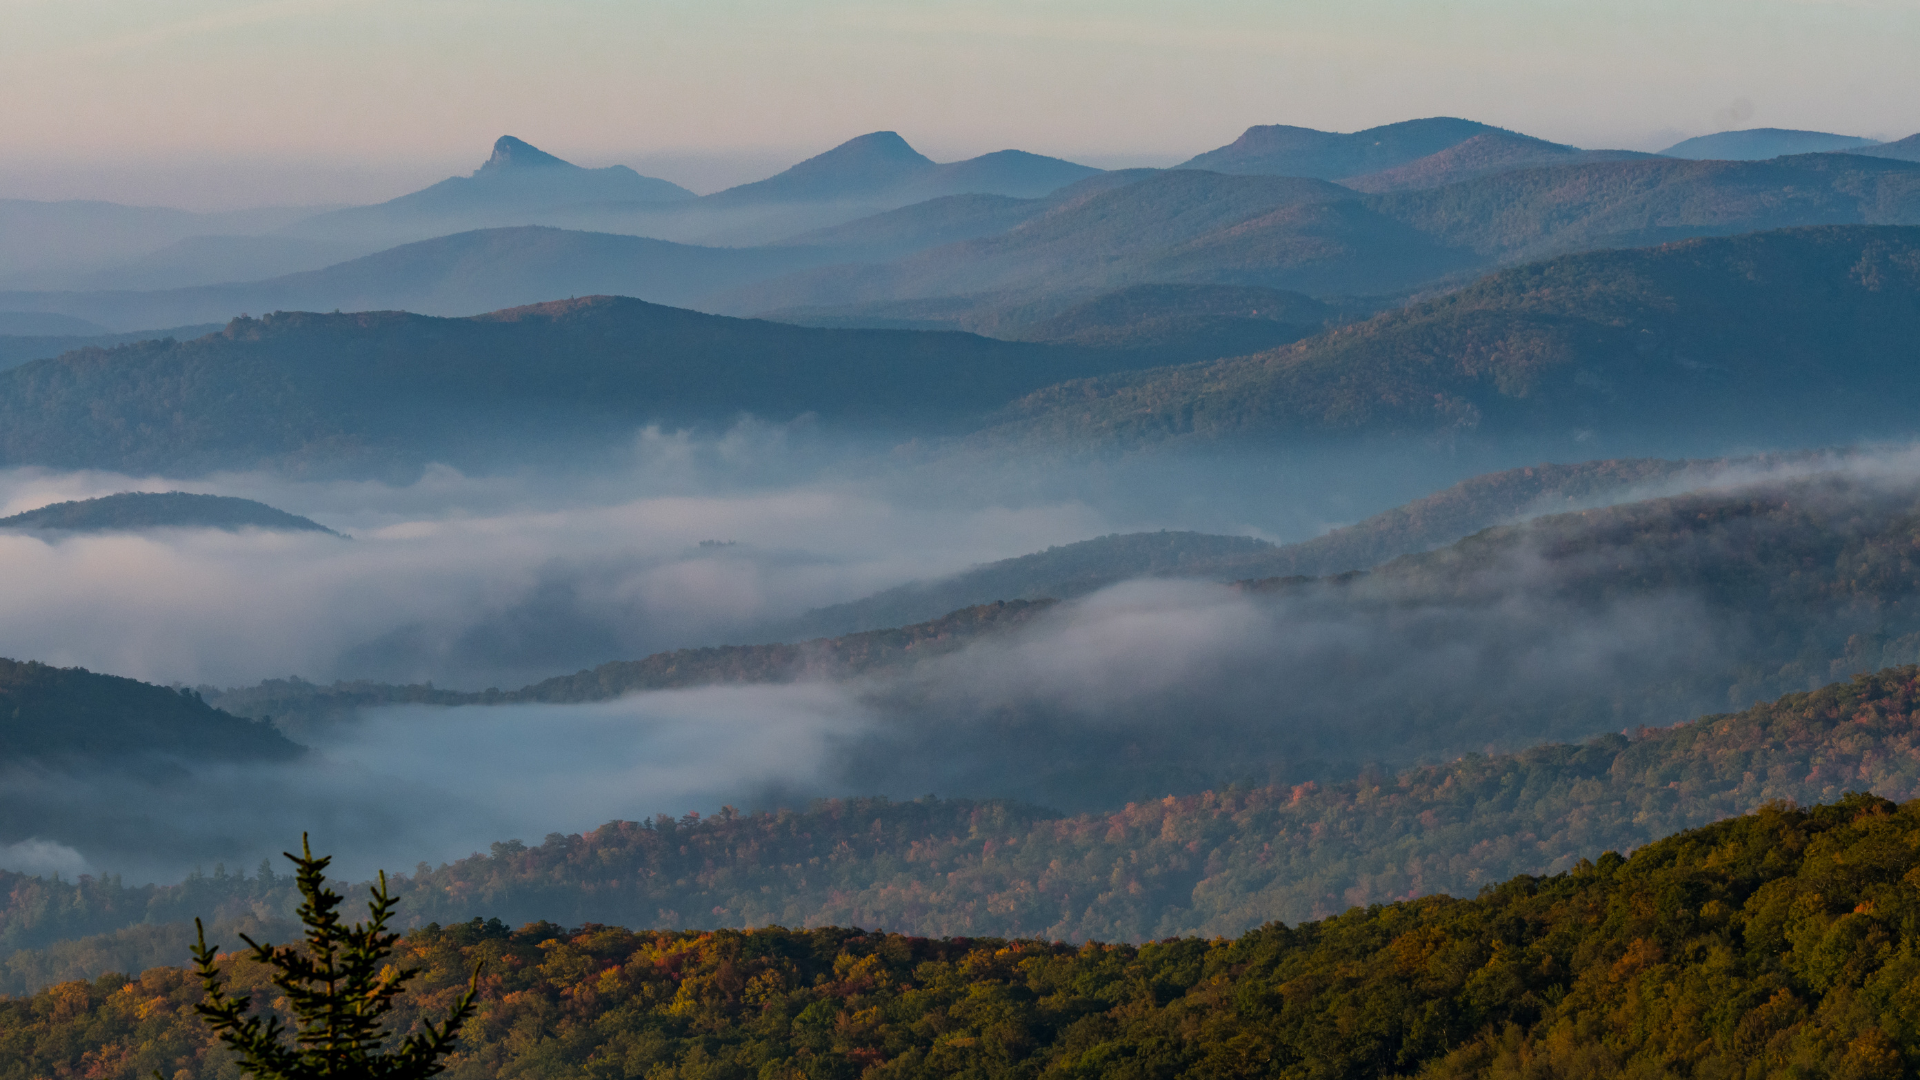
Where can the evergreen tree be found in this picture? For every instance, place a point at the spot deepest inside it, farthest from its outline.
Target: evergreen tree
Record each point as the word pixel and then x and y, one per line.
pixel 339 988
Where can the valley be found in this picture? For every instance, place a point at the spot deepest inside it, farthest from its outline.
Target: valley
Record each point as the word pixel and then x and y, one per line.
pixel 1426 597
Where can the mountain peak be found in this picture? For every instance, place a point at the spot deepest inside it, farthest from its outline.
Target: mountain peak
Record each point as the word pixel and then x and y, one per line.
pixel 876 148
pixel 868 163
pixel 512 153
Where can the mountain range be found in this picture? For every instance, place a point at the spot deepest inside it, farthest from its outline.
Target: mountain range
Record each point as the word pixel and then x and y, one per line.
pixel 1771 337
pixel 1319 238
pixel 874 233
pixel 1761 339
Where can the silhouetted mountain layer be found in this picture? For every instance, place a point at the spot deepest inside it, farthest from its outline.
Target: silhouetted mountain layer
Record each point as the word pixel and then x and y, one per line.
pixel 219 260
pixel 1190 226
pixel 1181 226
pixel 515 186
pixel 135 510
pixel 1755 144
pixel 461 274
pixel 1800 334
pixel 882 167
pixel 1531 213
pixel 56 245
pixel 359 390
pixel 71 716
pixel 1907 149
pixel 1281 150
pixel 1483 155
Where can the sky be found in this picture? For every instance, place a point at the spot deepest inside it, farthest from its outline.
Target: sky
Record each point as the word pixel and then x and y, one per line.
pixel 212 104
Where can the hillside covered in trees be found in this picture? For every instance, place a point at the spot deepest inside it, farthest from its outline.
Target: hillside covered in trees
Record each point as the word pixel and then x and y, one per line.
pixel 1777 942
pixel 1215 863
pixel 51 716
pixel 299 388
pixel 1796 334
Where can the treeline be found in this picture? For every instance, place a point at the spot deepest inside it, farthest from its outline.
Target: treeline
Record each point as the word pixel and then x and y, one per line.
pixel 53 716
pixel 1216 863
pixel 1778 943
pixel 295 702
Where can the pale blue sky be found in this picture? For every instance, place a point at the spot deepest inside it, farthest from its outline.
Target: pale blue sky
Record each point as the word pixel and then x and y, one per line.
pixel 242 102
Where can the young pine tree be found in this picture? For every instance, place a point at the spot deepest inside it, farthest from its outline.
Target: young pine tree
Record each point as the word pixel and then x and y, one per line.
pixel 339 989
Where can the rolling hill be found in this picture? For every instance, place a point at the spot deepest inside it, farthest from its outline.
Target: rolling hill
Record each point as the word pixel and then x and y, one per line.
pixel 368 390
pixel 1771 944
pixel 881 167
pixel 1793 335
pixel 518 184
pixel 54 717
pixel 1531 213
pixel 1755 144
pixel 1214 863
pixel 135 510
pixel 1907 149
pixel 55 245
pixel 1088 245
pixel 460 274
pixel 1280 150
pixel 1195 227
pixel 1482 155
pixel 17 349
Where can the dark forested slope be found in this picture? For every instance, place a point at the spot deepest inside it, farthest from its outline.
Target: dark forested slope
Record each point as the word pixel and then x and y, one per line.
pixel 301 388
pixel 1805 333
pixel 1775 943
pixel 56 715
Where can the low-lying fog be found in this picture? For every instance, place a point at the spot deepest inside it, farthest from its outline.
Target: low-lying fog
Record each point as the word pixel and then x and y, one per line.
pixel 1143 689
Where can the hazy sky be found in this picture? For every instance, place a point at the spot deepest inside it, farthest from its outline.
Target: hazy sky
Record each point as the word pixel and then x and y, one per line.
pixel 212 103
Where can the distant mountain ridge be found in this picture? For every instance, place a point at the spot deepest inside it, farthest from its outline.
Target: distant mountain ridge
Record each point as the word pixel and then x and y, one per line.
pixel 882 165
pixel 516 180
pixel 376 390
pixel 1283 150
pixel 1799 331
pixel 136 510
pixel 462 273
pixel 1755 144
pixel 1190 226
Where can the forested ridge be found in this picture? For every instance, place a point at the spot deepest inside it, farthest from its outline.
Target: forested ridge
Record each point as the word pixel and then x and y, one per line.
pixel 52 716
pixel 1799 329
pixel 295 701
pixel 1215 863
pixel 303 389
pixel 1779 942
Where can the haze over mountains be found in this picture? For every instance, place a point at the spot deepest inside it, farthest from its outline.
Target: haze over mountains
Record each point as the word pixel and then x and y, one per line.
pixel 1329 519
pixel 1439 198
